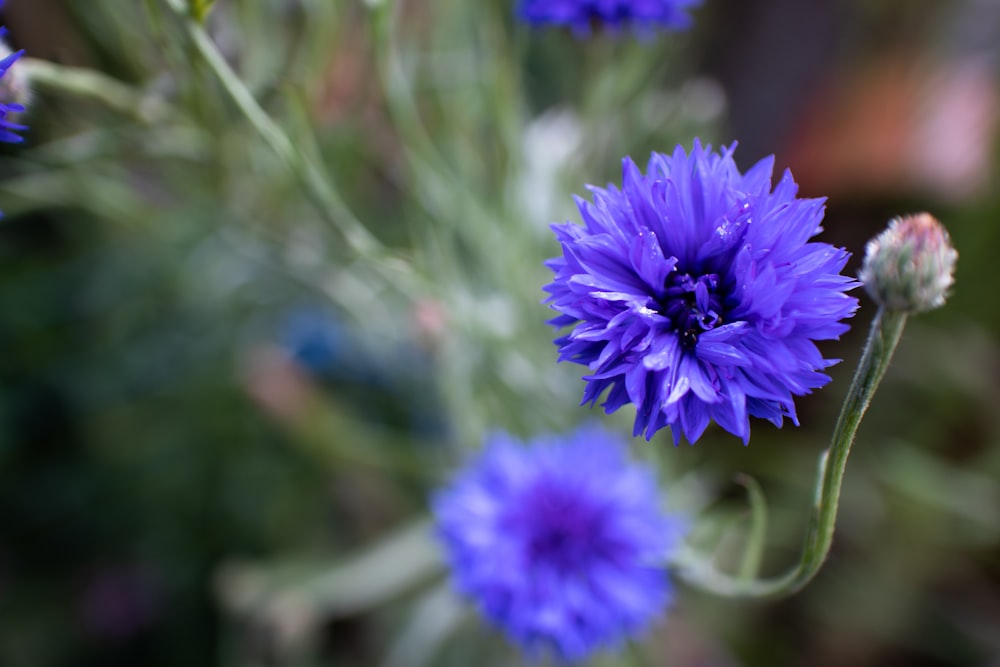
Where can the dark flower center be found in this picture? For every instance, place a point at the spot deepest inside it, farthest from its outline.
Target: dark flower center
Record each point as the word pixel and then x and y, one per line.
pixel 562 530
pixel 693 305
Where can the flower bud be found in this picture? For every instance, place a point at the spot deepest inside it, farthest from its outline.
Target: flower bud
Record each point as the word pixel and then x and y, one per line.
pixel 909 267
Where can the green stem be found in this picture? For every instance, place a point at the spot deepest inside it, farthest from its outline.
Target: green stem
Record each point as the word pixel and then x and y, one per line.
pixel 316 183
pixel 750 567
pixel 886 329
pixel 90 83
pixel 444 191
pixel 635 656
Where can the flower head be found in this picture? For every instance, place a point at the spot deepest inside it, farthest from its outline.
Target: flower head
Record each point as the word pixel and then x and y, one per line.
pixel 562 543
pixel 579 15
pixel 696 294
pixel 910 266
pixel 13 92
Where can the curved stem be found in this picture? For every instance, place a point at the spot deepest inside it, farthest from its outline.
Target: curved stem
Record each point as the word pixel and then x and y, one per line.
pixel 886 329
pixel 754 552
pixel 316 183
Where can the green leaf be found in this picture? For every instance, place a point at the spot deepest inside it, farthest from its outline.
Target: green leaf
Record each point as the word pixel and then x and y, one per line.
pixel 370 578
pixel 750 567
pixel 433 618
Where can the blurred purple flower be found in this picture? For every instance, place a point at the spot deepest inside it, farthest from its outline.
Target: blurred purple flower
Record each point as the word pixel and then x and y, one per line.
pixel 580 15
pixel 561 544
pixel 10 92
pixel 696 294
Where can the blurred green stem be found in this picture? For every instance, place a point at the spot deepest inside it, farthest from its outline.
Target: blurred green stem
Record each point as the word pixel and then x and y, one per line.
pixel 444 191
pixel 696 569
pixel 634 656
pixel 84 82
pixel 317 184
pixel 750 566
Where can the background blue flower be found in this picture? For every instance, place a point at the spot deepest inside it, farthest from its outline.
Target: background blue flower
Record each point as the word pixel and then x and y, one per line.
pixel 581 14
pixel 697 295
pixel 562 543
pixel 8 129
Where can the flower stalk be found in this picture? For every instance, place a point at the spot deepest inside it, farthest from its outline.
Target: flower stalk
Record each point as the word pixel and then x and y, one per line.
pixel 317 184
pixel 886 330
pixel 89 83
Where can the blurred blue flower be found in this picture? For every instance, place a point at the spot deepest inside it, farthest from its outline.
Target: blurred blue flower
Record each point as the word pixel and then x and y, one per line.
pixel 9 94
pixel 561 544
pixel 323 345
pixel 580 15
pixel 696 294
pixel 384 378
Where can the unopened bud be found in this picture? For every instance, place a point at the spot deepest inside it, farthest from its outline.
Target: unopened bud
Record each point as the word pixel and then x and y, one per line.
pixel 910 266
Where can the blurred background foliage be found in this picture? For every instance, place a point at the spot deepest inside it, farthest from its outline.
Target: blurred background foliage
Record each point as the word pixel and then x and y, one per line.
pixel 219 423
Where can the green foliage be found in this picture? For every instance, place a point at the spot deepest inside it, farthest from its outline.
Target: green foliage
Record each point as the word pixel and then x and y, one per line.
pixel 175 488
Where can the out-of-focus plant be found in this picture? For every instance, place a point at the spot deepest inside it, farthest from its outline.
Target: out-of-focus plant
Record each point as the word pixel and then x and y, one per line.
pixel 326 229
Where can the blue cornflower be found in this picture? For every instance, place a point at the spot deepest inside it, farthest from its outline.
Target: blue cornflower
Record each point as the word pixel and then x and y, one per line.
pixel 560 543
pixel 696 294
pixel 9 94
pixel 580 15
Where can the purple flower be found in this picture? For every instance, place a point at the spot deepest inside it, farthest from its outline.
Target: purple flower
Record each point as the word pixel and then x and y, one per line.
pixel 643 15
pixel 696 294
pixel 11 90
pixel 562 543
